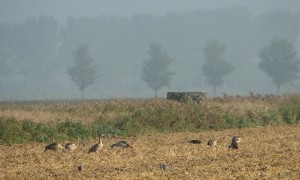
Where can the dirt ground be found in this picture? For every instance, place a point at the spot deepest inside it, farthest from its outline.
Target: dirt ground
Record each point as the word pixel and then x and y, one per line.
pixel 265 153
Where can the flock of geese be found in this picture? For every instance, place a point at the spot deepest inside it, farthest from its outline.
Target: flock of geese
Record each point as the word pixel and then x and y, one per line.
pixel 123 144
pixel 235 142
pixel 94 149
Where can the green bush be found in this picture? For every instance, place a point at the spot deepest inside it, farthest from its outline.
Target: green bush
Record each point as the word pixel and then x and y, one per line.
pixel 44 133
pixel 72 129
pixel 241 123
pixel 28 128
pixel 129 126
pixel 136 117
pixel 10 131
pixel 289 109
pixel 14 131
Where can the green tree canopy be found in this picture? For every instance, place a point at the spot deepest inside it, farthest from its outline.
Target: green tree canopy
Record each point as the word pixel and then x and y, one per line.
pixel 155 70
pixel 215 66
pixel 83 73
pixel 279 60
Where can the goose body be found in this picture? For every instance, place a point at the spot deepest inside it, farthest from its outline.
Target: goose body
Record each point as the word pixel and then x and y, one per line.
pixel 121 144
pixel 97 147
pixel 235 142
pixel 53 147
pixel 71 146
pixel 212 143
pixel 195 141
pixel 234 146
pixel 165 166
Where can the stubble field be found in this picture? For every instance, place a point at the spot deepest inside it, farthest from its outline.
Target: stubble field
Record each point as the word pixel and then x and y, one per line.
pixel 270 152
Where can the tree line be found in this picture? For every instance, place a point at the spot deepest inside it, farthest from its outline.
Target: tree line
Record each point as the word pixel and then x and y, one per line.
pixel 38 55
pixel 278 59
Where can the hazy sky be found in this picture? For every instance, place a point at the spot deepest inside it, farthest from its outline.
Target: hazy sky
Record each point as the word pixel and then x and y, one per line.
pixel 19 10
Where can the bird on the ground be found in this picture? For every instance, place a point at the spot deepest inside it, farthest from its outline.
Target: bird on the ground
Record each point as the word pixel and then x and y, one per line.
pixel 121 144
pixel 97 147
pixel 165 166
pixel 80 167
pixel 53 147
pixel 195 141
pixel 71 146
pixel 212 143
pixel 235 142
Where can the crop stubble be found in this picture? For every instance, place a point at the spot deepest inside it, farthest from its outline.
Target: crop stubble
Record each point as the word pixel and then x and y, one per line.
pixel 265 153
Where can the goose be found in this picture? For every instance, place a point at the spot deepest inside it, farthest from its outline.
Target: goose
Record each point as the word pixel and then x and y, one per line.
pixel 71 146
pixel 53 146
pixel 236 139
pixel 195 141
pixel 121 144
pixel 165 166
pixel 212 143
pixel 235 142
pixel 80 167
pixel 97 147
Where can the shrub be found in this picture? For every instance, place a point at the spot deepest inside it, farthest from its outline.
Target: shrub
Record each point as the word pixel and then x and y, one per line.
pixel 135 117
pixel 72 129
pixel 10 131
pixel 289 109
pixel 44 133
pixel 14 131
pixel 28 128
pixel 129 126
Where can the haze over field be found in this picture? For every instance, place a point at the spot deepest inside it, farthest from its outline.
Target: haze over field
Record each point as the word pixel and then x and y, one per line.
pixel 38 39
pixel 18 11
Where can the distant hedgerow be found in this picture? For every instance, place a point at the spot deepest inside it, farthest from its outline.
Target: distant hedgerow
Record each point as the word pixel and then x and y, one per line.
pixel 137 117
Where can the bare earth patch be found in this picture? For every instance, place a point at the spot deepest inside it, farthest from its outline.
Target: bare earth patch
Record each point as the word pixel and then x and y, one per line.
pixel 265 153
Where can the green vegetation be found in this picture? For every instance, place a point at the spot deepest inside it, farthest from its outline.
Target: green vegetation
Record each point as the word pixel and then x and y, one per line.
pixel 137 117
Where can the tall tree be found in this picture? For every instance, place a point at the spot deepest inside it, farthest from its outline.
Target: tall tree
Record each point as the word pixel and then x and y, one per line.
pixel 83 73
pixel 155 70
pixel 215 67
pixel 279 60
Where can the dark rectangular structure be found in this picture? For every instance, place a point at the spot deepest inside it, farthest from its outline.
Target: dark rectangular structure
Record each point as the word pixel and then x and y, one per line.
pixel 185 96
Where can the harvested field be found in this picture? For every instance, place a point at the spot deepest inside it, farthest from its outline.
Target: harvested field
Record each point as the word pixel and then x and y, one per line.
pixel 265 153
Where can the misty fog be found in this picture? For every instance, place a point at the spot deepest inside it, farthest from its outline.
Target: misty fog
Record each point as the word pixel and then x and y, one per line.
pixel 38 38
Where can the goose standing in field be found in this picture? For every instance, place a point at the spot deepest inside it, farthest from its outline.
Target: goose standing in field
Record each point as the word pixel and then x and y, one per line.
pixel 235 143
pixel 53 147
pixel 212 143
pixel 97 147
pixel 194 141
pixel 121 144
pixel 71 146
